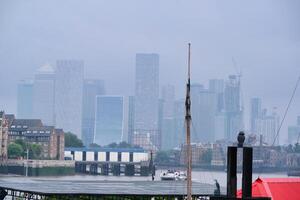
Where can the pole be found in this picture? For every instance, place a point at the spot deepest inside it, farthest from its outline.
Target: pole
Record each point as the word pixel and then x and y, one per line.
pixel 188 131
pixel 26 172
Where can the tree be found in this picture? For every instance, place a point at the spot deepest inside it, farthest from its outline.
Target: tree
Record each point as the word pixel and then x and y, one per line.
pixel 71 140
pixel 15 150
pixel 94 145
pixel 35 151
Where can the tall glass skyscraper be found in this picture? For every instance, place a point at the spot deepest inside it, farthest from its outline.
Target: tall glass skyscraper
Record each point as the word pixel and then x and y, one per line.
pixel 91 89
pixel 255 114
pixel 233 108
pixel 109 122
pixel 146 132
pixel 25 99
pixel 43 95
pixel 68 95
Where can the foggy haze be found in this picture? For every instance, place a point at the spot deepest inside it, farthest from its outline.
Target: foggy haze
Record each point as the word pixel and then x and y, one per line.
pixel 262 36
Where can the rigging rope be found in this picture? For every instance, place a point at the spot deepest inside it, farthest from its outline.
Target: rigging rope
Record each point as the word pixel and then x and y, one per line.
pixel 286 110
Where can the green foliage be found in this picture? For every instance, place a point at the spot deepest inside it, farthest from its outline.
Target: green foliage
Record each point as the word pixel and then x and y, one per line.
pixel 94 145
pixel 71 140
pixel 21 142
pixel 35 151
pixel 120 145
pixel 15 150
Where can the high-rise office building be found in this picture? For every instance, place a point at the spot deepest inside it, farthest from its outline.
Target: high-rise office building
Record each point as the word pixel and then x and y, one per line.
pixel 204 107
pixel 179 116
pixel 109 122
pixel 255 113
pixel 68 95
pixel 43 95
pixel 146 101
pixel 267 126
pixel 216 86
pixel 168 121
pixel 130 119
pixel 91 88
pixel 294 133
pixel 25 99
pixel 233 108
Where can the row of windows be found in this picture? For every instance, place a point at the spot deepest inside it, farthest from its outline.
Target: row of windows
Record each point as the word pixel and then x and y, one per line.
pixel 38 131
pixel 107 156
pixel 19 126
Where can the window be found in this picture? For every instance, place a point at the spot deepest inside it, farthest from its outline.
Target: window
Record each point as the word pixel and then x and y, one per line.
pixel 107 156
pixel 13 126
pixel 25 126
pixel 34 131
pixel 131 157
pixel 19 126
pixel 95 156
pixel 119 156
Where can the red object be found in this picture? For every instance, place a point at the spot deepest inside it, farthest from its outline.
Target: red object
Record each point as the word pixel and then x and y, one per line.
pixel 276 188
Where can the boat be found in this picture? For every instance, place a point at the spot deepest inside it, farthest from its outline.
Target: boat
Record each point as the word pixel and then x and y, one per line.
pixel 173 175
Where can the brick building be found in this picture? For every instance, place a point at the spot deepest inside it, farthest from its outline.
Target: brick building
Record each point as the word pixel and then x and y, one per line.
pixel 3 136
pixel 33 131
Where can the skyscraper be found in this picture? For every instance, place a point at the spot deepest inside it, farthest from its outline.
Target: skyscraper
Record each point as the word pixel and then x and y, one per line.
pixel 91 88
pixel 25 99
pixel 43 95
pixel 109 124
pixel 146 101
pixel 267 126
pixel 168 121
pixel 233 108
pixel 255 113
pixel 203 114
pixel 68 95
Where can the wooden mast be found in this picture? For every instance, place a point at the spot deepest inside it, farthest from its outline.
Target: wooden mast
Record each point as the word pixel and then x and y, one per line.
pixel 188 119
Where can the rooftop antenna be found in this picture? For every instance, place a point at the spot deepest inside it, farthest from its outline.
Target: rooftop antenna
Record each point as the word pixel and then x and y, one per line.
pixel 188 119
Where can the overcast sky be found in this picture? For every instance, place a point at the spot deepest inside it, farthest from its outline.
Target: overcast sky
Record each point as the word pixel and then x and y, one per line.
pixel 263 36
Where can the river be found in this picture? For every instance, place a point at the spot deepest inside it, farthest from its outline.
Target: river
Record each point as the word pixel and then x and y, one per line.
pixel 197 176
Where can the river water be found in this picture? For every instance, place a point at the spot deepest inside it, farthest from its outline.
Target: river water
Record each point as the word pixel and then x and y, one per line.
pixel 197 176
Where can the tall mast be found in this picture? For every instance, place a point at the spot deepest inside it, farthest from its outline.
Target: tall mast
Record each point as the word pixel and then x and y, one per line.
pixel 188 119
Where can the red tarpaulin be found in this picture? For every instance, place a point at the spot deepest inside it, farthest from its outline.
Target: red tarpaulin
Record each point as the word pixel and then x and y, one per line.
pixel 276 188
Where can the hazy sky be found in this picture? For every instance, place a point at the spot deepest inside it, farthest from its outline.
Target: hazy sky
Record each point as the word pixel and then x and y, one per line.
pixel 262 35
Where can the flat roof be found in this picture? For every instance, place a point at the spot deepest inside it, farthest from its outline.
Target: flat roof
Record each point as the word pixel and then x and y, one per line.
pixel 52 186
pixel 105 149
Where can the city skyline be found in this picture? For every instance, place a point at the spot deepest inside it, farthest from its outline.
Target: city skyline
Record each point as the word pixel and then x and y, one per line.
pixel 213 93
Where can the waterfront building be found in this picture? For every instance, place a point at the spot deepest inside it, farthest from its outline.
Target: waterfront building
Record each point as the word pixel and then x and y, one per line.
pixel 43 95
pixel 200 153
pixel 32 131
pixel 103 154
pixel 3 135
pixel 68 95
pixel 294 132
pixel 146 99
pixel 91 88
pixel 255 113
pixel 233 108
pixel 25 99
pixel 109 122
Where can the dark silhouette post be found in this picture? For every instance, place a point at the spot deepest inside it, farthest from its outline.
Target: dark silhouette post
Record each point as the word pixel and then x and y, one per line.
pixel 231 171
pixel 247 172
